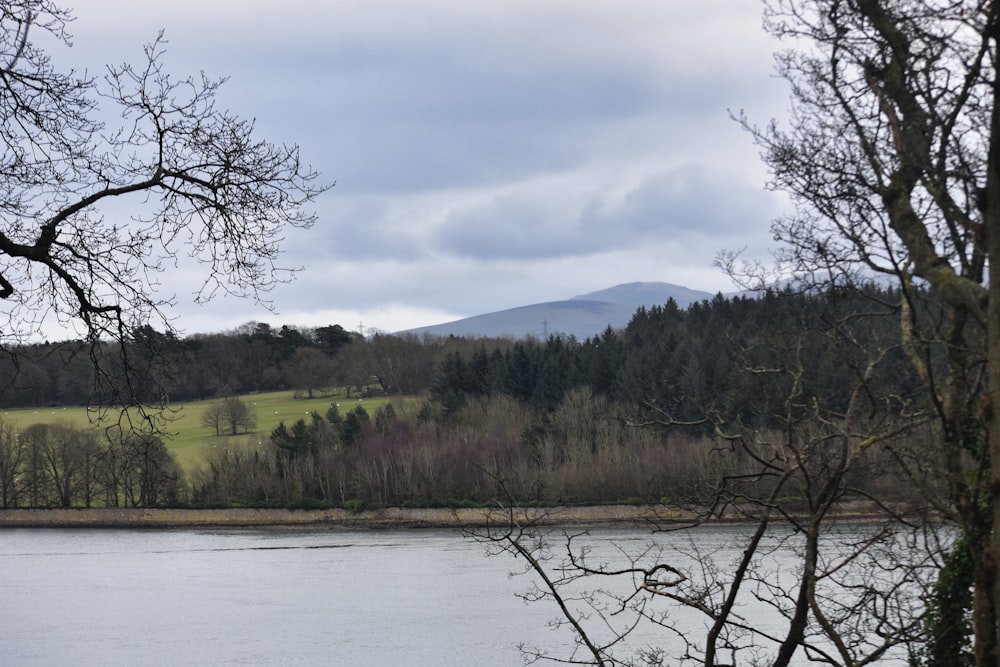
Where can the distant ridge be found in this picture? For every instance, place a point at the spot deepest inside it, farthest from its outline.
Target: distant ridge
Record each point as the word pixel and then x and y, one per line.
pixel 581 316
pixel 646 294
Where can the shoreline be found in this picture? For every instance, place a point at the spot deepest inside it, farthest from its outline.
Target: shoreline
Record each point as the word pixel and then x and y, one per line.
pixel 331 519
pixel 596 516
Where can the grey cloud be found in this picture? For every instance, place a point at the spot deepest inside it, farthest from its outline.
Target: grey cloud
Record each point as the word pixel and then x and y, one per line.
pixel 510 226
pixel 394 113
pixel 355 228
pixel 410 98
pixel 414 130
pixel 688 204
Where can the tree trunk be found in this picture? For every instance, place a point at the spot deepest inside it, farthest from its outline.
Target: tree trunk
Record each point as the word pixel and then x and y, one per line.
pixel 985 619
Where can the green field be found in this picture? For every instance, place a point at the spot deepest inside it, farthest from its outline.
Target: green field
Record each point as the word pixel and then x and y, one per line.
pixel 188 439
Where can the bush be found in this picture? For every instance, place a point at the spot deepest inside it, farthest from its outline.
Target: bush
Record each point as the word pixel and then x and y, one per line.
pixel 309 504
pixel 355 505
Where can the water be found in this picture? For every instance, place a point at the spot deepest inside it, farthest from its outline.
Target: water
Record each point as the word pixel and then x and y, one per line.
pixel 255 598
pixel 190 597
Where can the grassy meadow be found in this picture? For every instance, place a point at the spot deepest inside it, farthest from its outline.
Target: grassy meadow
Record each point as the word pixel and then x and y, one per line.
pixel 188 439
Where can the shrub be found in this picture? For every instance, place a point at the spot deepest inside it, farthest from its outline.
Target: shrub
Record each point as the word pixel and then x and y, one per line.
pixel 355 505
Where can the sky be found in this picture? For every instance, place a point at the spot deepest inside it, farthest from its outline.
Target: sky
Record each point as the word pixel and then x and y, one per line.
pixel 487 155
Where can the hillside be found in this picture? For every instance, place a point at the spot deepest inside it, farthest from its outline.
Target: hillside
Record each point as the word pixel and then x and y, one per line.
pixel 581 316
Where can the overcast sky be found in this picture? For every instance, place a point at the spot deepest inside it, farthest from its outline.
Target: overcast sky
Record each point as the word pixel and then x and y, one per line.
pixel 487 155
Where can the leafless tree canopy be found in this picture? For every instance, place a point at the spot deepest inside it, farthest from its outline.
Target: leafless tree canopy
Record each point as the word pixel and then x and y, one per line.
pixel 892 157
pixel 110 179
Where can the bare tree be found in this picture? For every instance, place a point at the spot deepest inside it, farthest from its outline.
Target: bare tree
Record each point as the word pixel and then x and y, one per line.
pixel 892 157
pixel 231 416
pixel 137 470
pixel 77 149
pixel 12 456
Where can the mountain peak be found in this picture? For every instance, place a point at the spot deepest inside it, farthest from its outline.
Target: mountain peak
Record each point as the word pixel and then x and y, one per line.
pixel 582 316
pixel 646 294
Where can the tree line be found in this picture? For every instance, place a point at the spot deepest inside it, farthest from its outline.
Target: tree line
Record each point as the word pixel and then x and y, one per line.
pixel 642 414
pixel 627 415
pixel 681 362
pixel 57 465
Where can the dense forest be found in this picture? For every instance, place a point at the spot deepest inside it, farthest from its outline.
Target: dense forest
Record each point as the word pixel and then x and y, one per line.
pixel 640 414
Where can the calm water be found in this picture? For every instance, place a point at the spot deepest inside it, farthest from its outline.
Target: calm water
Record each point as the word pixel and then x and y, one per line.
pixel 184 597
pixel 255 598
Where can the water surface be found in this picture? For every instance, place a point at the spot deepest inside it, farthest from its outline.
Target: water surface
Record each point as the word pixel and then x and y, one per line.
pixel 178 597
pixel 418 598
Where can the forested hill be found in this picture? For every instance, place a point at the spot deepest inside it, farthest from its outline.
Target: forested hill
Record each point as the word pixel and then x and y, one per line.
pixel 682 360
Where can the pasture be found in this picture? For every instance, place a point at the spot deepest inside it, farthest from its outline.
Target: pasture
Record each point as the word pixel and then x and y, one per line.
pixel 187 438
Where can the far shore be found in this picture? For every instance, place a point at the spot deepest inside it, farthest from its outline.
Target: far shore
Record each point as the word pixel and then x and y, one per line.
pixel 387 518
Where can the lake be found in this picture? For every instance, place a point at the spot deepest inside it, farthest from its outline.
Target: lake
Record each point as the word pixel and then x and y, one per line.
pixel 259 597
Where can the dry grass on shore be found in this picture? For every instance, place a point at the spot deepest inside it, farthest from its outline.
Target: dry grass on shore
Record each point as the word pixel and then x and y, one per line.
pixel 584 517
pixel 326 518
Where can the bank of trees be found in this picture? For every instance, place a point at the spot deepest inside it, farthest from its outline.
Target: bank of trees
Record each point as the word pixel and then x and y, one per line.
pixel 627 415
pixel 586 454
pixel 685 362
pixel 58 465
pixel 164 367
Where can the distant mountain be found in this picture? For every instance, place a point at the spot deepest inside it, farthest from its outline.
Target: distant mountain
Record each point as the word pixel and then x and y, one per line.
pixel 646 294
pixel 582 316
